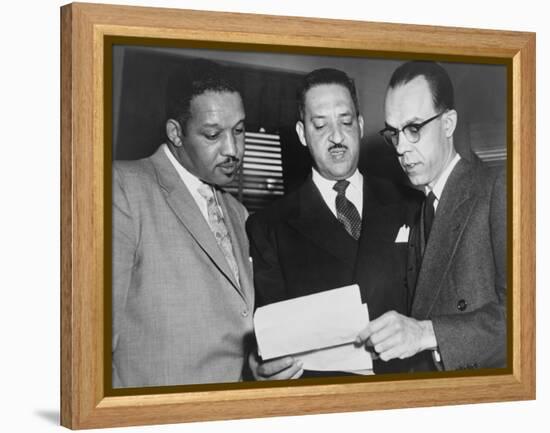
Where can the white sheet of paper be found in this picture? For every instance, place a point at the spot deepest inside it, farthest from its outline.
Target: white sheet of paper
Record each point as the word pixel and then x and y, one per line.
pixel 309 323
pixel 347 357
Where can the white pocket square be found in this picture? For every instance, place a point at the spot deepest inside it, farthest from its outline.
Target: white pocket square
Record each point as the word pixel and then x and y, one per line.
pixel 403 234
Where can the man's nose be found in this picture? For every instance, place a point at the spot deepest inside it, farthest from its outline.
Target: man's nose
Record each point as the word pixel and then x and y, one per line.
pixel 230 145
pixel 336 135
pixel 403 145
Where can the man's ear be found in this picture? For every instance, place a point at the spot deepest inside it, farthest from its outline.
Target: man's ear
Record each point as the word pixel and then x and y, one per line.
pixel 173 132
pixel 361 125
pixel 449 122
pixel 300 132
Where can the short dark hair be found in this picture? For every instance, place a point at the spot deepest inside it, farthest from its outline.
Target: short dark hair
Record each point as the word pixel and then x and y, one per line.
pixel 195 78
pixel 437 77
pixel 325 76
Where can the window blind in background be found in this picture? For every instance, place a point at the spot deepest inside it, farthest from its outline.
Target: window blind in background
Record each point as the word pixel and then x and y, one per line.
pixel 260 179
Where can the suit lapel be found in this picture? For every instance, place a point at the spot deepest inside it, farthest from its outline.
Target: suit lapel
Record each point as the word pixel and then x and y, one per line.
pixel 378 220
pixel 380 224
pixel 317 223
pixel 453 212
pixel 414 261
pixel 184 206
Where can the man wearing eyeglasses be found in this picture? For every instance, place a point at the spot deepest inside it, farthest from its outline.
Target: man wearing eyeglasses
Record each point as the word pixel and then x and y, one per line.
pixel 340 227
pixel 457 261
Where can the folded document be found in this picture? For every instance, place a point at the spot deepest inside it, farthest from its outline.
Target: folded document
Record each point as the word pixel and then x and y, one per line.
pixel 318 329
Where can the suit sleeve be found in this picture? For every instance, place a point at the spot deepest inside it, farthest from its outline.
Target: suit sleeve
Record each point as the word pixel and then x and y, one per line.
pixel 123 252
pixel 269 282
pixel 477 339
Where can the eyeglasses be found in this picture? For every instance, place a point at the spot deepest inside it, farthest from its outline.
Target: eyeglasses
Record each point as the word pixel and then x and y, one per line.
pixel 411 131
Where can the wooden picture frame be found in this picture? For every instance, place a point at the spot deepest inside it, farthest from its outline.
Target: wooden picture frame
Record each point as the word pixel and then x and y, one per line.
pixel 84 210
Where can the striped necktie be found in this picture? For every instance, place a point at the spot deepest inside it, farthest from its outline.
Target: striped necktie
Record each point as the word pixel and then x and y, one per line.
pixel 347 213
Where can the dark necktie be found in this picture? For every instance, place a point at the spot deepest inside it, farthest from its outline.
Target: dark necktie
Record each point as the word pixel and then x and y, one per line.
pixel 429 213
pixel 346 211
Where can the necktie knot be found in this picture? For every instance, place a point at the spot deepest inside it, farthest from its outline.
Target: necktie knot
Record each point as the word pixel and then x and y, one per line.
pixel 206 192
pixel 341 186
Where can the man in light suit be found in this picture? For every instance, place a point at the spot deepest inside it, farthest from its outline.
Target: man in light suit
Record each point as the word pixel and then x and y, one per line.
pixel 339 228
pixel 457 271
pixel 182 280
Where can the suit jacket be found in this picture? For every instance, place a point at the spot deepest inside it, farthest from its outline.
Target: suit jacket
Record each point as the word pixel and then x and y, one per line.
pixel 461 279
pixel 299 247
pixel 179 316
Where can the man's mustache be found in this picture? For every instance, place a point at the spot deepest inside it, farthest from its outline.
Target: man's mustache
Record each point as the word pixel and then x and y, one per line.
pixel 230 160
pixel 337 146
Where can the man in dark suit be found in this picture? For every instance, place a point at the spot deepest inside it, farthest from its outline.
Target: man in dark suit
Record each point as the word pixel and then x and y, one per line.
pixel 457 274
pixel 339 228
pixel 182 280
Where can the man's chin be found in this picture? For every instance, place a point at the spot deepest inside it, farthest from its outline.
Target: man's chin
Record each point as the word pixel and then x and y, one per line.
pixel 337 171
pixel 342 175
pixel 416 181
pixel 222 178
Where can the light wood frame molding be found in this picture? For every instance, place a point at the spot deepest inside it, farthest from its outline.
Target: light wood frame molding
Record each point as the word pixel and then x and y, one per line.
pixel 84 27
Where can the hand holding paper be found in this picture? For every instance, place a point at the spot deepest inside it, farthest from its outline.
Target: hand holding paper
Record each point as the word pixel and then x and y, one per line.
pixel 275 369
pixel 319 330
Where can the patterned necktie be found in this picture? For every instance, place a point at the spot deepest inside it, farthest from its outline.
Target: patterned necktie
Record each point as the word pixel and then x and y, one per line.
pixel 218 227
pixel 346 211
pixel 429 214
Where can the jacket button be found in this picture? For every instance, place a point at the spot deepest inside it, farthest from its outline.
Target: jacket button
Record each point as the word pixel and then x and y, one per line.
pixel 461 305
pixel 244 313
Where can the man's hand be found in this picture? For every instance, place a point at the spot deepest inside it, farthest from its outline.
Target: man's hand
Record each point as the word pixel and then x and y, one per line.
pixel 396 336
pixel 275 369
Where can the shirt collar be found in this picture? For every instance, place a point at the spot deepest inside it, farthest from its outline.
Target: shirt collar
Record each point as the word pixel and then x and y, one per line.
pixel 355 180
pixel 440 184
pixel 191 181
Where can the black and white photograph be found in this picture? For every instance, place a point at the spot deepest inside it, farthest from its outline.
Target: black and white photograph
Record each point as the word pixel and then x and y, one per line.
pixel 281 216
pixel 275 216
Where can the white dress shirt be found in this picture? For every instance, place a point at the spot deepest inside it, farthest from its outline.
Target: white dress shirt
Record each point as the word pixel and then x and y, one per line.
pixel 191 181
pixel 354 191
pixel 440 183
